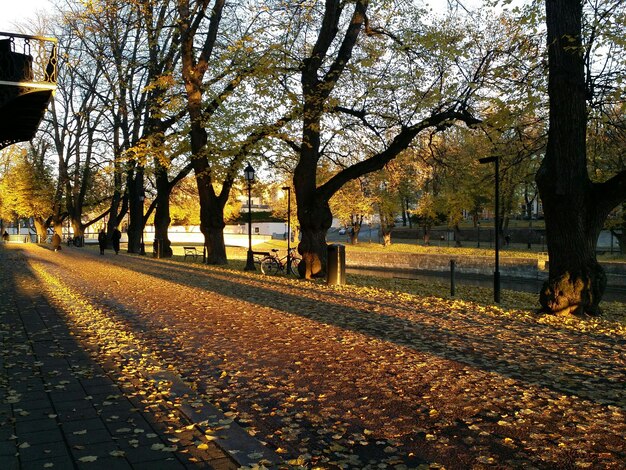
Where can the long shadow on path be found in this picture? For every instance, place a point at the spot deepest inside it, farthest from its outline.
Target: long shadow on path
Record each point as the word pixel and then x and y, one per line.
pixel 562 360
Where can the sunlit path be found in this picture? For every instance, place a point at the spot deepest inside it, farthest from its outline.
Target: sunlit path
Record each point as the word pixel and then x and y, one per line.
pixel 352 377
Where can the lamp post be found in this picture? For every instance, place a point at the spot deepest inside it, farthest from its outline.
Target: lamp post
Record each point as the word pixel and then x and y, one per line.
pixel 478 234
pixel 248 173
pixel 288 189
pixel 496 274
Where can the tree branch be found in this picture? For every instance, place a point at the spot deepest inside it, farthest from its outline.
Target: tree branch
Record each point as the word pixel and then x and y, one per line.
pixel 401 142
pixel 611 192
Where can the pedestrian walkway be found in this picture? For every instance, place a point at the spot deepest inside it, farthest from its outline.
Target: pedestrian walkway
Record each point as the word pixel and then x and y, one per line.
pixel 325 376
pixel 61 409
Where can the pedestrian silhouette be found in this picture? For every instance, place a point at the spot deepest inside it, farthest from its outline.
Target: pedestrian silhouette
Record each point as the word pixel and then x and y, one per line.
pixel 102 241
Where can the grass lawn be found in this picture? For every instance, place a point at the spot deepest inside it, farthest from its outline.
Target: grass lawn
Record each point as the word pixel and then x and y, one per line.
pixel 510 300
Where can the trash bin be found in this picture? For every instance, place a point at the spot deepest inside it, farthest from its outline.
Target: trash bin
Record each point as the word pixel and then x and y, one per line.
pixel 157 250
pixel 336 265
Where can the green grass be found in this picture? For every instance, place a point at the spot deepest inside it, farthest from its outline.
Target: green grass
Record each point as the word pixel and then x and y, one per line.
pixel 517 303
pixel 414 246
pixel 511 300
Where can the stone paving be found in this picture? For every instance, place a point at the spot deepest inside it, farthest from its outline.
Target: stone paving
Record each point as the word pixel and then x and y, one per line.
pixel 61 409
pixel 129 353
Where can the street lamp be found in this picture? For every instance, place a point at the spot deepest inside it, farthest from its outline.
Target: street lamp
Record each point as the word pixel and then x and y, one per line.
pixel 248 174
pixel 288 189
pixel 478 234
pixel 496 274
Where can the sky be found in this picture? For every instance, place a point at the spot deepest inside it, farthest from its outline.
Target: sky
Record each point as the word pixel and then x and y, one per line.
pixel 19 11
pixel 12 11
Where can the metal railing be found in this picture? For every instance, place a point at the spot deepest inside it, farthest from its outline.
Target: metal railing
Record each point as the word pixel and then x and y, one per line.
pixel 28 60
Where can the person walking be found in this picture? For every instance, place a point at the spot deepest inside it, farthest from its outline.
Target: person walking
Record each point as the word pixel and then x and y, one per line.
pixel 102 241
pixel 115 239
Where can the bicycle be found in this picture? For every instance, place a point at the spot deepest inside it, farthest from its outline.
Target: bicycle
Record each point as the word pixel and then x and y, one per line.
pixel 272 263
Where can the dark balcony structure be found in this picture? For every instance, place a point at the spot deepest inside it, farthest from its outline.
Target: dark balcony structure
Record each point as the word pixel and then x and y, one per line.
pixel 28 72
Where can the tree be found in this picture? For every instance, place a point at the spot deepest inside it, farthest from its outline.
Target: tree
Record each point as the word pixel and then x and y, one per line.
pixel 76 131
pixel 27 189
pixel 351 205
pixel 575 208
pixel 138 49
pixel 216 59
pixel 184 205
pixel 606 144
pixel 388 206
pixel 431 100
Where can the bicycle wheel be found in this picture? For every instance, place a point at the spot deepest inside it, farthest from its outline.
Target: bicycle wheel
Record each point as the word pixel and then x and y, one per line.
pixel 294 266
pixel 269 266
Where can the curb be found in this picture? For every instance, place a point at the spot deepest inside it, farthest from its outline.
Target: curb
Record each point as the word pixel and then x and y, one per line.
pixel 231 437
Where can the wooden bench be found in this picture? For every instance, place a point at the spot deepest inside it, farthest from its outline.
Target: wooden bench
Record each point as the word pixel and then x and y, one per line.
pixel 191 251
pixel 259 255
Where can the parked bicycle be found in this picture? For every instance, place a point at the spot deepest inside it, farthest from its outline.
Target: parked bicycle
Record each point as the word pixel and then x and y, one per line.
pixel 272 263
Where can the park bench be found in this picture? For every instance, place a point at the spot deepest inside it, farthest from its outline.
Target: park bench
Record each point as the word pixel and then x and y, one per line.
pixel 259 255
pixel 191 251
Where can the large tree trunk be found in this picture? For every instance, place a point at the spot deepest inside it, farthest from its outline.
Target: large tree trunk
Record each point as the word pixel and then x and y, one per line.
pixel 576 280
pixel 211 222
pixel 56 221
pixel 354 233
pixel 79 232
pixel 211 208
pixel 315 219
pixel 574 212
pixel 41 228
pixel 162 218
pixel 136 211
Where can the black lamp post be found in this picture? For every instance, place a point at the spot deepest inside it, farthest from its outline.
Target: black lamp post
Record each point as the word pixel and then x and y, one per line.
pixel 478 234
pixel 248 173
pixel 288 189
pixel 496 274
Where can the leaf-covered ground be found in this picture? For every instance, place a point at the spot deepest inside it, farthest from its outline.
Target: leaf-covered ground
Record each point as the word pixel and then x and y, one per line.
pixel 355 377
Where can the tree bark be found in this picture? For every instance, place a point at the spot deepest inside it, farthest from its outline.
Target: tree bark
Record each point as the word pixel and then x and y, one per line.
pixel 354 233
pixel 162 217
pixel 427 236
pixel 576 280
pixel 575 208
pixel 135 190
pixel 313 249
pixel 211 220
pixel 41 228
pixel 315 219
